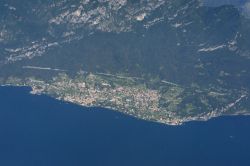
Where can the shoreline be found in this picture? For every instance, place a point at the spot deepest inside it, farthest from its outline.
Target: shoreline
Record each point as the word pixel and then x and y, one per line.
pixel 174 123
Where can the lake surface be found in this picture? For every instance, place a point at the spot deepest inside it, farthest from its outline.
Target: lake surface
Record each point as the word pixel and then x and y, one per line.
pixel 41 131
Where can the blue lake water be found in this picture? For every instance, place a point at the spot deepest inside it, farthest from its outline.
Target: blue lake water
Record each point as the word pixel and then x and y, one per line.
pixel 41 131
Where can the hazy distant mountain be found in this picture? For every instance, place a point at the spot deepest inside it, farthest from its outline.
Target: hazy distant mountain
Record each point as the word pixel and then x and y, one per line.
pixel 216 3
pixel 154 59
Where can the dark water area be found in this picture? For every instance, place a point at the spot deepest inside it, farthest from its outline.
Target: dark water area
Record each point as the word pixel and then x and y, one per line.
pixel 41 131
